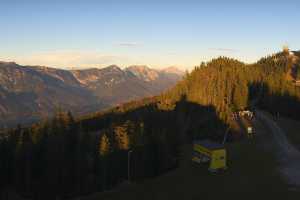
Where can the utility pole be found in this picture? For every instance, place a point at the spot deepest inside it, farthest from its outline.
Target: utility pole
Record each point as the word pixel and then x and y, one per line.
pixel 129 152
pixel 225 136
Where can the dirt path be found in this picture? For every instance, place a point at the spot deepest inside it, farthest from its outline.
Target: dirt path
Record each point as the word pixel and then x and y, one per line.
pixel 288 155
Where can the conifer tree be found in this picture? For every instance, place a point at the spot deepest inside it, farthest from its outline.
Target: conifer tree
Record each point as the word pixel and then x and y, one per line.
pixel 122 137
pixel 104 145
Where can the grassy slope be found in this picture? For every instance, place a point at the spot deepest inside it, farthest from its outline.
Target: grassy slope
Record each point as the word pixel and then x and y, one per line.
pixel 251 174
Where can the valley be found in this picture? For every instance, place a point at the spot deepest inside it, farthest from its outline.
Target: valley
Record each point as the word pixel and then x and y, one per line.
pixel 31 93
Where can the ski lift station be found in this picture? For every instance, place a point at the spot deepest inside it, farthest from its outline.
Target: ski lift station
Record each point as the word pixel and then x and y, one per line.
pixel 206 151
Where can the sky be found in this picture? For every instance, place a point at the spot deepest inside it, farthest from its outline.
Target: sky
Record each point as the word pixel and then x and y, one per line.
pixel 97 33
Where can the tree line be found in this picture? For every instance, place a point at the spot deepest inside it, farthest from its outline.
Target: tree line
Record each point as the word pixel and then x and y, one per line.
pixel 62 158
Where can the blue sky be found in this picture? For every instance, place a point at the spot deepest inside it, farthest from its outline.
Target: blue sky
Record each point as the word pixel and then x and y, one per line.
pixel 156 33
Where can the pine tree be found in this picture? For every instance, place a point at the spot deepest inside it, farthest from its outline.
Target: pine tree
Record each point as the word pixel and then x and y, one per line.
pixel 122 137
pixel 104 145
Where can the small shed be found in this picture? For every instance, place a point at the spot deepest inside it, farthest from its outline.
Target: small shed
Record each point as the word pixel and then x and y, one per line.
pixel 250 132
pixel 208 151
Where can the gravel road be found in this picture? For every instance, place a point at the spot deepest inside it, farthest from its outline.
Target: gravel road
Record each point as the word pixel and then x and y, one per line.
pixel 289 156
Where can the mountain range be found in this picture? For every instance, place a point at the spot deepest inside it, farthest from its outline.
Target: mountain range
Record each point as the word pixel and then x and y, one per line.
pixel 30 93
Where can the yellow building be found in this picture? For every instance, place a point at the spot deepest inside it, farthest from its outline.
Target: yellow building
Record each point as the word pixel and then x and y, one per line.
pixel 207 151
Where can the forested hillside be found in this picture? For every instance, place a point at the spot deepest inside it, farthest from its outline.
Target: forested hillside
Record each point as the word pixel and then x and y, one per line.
pixel 69 157
pixel 230 85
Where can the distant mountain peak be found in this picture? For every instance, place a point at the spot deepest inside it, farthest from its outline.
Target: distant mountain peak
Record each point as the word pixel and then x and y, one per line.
pixel 8 63
pixel 143 72
pixel 173 70
pixel 140 67
pixel 28 93
pixel 113 68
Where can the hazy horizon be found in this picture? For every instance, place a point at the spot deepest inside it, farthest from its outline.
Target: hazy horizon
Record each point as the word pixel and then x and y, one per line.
pixel 81 34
